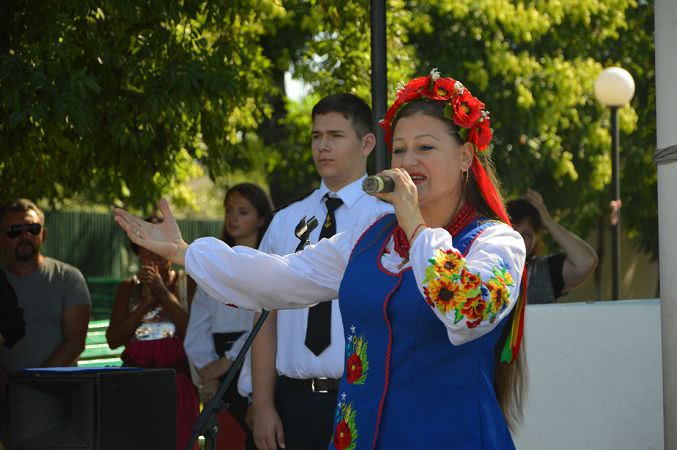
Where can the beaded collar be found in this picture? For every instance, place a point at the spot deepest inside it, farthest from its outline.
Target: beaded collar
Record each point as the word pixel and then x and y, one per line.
pixel 466 215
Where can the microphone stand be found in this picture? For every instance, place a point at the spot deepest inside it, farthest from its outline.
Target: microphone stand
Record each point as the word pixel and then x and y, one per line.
pixel 206 424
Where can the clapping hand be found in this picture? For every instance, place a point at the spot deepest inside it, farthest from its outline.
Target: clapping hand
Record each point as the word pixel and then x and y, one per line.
pixel 163 239
pixel 150 276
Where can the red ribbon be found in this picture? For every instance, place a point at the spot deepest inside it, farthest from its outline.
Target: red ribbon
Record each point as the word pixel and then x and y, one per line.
pixel 488 190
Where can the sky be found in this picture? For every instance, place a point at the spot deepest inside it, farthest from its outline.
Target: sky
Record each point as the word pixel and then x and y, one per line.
pixel 295 89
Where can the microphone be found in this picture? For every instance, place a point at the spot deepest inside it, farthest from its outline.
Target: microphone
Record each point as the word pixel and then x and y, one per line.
pixel 378 183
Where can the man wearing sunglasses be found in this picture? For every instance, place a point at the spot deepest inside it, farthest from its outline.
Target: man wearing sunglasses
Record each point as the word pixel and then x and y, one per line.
pixel 53 295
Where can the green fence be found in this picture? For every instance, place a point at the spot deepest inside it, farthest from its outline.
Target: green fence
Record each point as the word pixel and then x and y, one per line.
pixel 97 353
pixel 102 291
pixel 93 243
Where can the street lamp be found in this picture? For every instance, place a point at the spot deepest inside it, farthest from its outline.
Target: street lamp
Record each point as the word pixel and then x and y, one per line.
pixel 614 88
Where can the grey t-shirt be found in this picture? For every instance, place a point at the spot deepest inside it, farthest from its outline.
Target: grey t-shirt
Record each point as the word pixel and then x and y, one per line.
pixel 545 279
pixel 43 295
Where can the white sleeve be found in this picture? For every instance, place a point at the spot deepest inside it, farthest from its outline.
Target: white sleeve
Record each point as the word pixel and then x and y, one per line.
pixel 237 345
pixel 254 280
pixel 199 343
pixel 471 294
pixel 244 382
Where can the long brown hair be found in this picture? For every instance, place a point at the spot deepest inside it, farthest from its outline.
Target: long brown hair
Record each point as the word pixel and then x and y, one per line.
pixel 510 380
pixel 261 203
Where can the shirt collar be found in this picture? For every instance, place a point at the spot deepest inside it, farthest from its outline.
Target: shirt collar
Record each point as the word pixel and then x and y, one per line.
pixel 350 193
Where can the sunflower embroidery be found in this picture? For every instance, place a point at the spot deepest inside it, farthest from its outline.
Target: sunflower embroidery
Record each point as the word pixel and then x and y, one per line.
pixel 451 288
pixel 446 264
pixel 498 293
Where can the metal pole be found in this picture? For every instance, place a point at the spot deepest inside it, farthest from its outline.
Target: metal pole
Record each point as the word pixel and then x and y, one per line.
pixel 665 17
pixel 615 196
pixel 379 78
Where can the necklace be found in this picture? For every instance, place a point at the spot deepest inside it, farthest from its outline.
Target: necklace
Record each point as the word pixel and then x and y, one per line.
pixel 462 219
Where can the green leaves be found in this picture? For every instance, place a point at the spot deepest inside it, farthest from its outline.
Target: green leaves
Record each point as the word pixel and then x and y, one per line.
pixel 112 91
pixel 534 64
pixel 112 103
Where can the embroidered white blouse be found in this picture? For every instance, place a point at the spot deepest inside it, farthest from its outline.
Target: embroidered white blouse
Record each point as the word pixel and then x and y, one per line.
pixel 470 295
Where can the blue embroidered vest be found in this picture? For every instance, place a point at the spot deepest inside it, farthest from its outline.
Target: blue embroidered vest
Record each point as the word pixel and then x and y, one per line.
pixel 405 386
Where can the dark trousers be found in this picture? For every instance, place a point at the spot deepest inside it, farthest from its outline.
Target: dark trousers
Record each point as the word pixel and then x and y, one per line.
pixel 307 416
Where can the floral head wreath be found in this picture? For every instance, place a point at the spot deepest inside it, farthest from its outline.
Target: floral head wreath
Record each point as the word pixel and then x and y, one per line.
pixel 473 123
pixel 462 108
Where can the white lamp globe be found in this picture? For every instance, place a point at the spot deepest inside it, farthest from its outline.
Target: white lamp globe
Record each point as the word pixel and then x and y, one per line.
pixel 614 87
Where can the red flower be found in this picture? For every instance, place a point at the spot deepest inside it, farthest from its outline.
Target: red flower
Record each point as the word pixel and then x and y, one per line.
pixel 469 280
pixel 416 84
pixel 474 308
pixel 354 368
pixel 480 135
pixel 342 437
pixel 443 89
pixel 474 323
pixel 428 300
pixel 467 109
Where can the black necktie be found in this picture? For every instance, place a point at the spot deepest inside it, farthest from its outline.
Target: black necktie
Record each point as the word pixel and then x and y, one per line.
pixel 318 333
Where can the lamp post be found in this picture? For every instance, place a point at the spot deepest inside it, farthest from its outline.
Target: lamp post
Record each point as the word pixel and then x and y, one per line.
pixel 614 88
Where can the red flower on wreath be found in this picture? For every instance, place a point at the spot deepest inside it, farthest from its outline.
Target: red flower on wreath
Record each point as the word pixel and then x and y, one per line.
pixel 467 109
pixel 414 86
pixel 480 135
pixel 354 368
pixel 342 437
pixel 443 89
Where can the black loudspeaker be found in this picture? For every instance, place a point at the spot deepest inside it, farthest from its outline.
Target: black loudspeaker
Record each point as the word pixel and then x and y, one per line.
pixel 92 409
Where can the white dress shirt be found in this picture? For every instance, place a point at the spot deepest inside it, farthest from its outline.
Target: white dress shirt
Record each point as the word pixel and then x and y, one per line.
pixel 293 359
pixel 209 316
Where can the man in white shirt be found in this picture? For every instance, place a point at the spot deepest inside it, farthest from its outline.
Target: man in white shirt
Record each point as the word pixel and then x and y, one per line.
pixel 297 364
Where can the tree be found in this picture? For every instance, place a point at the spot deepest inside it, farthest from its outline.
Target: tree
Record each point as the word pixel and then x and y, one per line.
pixel 534 64
pixel 112 103
pixel 326 44
pixel 116 100
pixel 123 104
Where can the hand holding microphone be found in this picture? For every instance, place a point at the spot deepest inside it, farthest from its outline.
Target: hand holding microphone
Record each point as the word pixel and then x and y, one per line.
pixel 378 183
pixel 396 187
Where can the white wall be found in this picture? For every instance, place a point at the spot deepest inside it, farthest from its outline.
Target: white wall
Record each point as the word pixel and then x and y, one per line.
pixel 595 377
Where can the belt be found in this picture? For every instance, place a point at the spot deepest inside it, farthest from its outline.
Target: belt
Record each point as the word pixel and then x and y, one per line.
pixel 320 385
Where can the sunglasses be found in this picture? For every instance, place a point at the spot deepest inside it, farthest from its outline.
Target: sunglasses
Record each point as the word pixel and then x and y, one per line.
pixel 17 229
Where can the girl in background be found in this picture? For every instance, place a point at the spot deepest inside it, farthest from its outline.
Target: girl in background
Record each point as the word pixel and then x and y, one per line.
pixel 149 317
pixel 216 333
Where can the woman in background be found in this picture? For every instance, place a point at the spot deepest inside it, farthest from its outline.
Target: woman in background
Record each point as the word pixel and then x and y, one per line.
pixel 216 333
pixel 149 317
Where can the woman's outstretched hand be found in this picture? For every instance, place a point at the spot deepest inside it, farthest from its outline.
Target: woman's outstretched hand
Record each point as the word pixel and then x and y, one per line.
pixel 163 239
